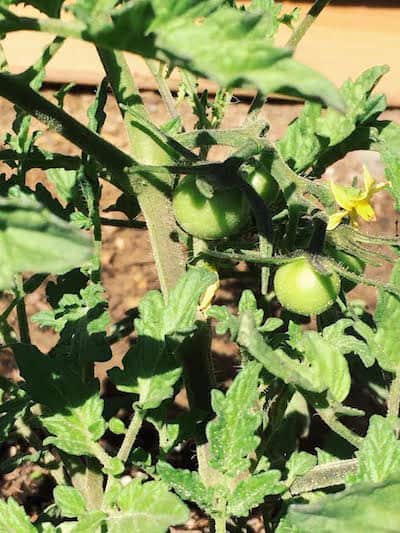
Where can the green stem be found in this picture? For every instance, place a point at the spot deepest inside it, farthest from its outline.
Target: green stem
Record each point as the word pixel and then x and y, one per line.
pixel 21 312
pixel 306 23
pixel 155 205
pixel 393 403
pixel 131 434
pixel 322 476
pixel 169 101
pixel 113 159
pixel 220 524
pixel 328 415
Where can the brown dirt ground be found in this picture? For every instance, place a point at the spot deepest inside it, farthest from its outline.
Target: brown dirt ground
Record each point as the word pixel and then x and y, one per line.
pixel 128 267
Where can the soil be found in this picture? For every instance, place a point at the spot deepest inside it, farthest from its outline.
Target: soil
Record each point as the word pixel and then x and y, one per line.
pixel 128 267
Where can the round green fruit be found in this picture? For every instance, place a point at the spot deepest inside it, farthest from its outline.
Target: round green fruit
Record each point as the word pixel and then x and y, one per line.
pixel 223 215
pixel 303 290
pixel 351 263
pixel 263 183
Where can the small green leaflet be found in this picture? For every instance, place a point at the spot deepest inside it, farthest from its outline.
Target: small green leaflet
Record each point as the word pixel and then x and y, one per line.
pixel 279 364
pixel 251 491
pixel 231 434
pixel 387 317
pixel 151 367
pixel 13 518
pixel 312 134
pixel 379 455
pixel 329 364
pixel 33 239
pixel 188 485
pixel 145 507
pixel 70 501
pixel 388 145
pixel 73 407
pixel 365 507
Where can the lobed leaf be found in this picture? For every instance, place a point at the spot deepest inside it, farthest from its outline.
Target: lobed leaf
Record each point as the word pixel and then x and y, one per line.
pixel 379 455
pixel 364 507
pixel 231 434
pixel 13 518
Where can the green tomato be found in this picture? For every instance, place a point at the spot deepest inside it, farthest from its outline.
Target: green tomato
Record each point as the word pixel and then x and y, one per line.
pixel 225 214
pixel 263 183
pixel 303 290
pixel 351 263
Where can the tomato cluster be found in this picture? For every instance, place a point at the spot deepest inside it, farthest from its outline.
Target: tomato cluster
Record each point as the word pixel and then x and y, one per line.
pixel 298 286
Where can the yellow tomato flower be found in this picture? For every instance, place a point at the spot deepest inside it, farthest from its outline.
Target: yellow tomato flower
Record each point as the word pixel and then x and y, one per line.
pixel 354 202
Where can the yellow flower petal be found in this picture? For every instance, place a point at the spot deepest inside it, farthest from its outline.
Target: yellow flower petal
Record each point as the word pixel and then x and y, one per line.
pixel 336 219
pixel 345 196
pixel 365 210
pixel 369 182
pixel 208 297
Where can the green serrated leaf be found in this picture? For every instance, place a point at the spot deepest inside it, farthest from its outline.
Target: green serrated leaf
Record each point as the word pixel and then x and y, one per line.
pixel 89 523
pixel 231 434
pixel 70 501
pixel 379 455
pixel 13 518
pixel 187 485
pixel 33 239
pixel 145 507
pixel 364 507
pixel 313 133
pixel 251 492
pixel 330 365
pixel 73 407
pixel 151 368
pixel 387 316
pixel 279 364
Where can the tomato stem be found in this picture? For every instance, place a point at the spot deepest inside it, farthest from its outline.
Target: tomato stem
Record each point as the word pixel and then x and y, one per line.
pixel 306 23
pixel 393 403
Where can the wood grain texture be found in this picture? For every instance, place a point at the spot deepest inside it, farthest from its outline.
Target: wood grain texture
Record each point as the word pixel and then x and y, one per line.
pixel 345 40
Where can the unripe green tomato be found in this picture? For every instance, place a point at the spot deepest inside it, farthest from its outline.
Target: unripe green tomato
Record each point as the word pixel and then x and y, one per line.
pixel 225 214
pixel 303 290
pixel 351 263
pixel 264 184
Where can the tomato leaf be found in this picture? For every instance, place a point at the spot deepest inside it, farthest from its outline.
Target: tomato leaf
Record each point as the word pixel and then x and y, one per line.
pixel 33 239
pixel 379 455
pixel 299 464
pixel 231 434
pixel 251 492
pixel 387 316
pixel 13 518
pixel 151 367
pixel 187 485
pixel 144 507
pixel 279 364
pixel 388 145
pixel 312 134
pixel 70 501
pixel 356 509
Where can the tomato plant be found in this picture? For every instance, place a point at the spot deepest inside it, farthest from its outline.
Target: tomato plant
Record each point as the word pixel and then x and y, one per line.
pixel 302 289
pixel 225 214
pixel 301 431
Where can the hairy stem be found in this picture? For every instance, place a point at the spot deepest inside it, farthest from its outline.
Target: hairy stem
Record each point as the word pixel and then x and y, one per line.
pixel 156 69
pixel 328 415
pixel 154 203
pixel 322 476
pixel 131 434
pixel 306 23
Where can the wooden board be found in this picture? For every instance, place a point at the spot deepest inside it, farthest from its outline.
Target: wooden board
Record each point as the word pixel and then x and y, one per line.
pixel 345 40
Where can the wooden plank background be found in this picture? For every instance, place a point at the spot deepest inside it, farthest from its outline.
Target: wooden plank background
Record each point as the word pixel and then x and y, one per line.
pixel 345 40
